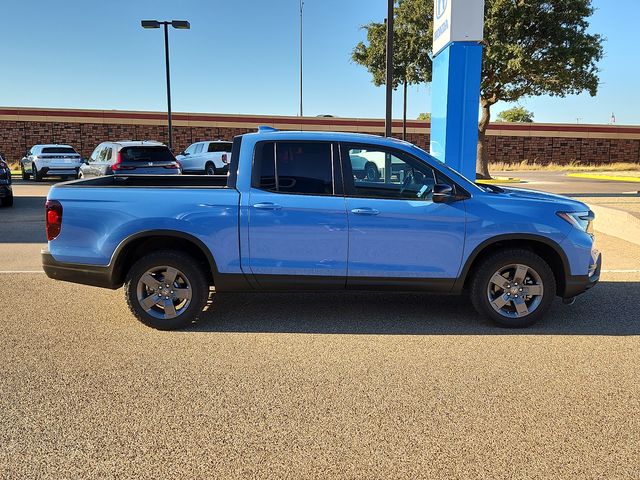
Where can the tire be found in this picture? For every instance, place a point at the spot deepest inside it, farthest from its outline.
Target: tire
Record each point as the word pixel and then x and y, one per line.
pixel 189 279
pixel 25 175
pixel 209 169
pixel 34 173
pixel 507 304
pixel 371 172
pixel 7 201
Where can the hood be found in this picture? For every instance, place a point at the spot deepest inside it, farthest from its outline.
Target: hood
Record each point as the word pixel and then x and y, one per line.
pixel 525 194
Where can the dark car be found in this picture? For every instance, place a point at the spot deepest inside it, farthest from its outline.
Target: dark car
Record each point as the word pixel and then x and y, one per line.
pixel 130 158
pixel 6 192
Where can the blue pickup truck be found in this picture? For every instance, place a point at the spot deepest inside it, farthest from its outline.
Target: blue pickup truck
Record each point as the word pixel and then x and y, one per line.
pixel 308 211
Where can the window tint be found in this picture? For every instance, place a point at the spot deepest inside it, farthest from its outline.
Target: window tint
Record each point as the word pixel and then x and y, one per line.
pixel 146 154
pixel 219 147
pixel 295 167
pixel 380 174
pixel 103 154
pixel 58 150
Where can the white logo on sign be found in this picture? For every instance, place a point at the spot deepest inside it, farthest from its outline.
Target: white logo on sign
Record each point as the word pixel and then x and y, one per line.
pixel 441 7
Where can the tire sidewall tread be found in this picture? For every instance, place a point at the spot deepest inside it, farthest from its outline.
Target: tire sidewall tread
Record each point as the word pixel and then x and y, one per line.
pixel 185 263
pixel 494 262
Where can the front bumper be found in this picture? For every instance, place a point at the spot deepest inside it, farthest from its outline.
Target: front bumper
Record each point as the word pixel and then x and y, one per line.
pixel 577 284
pixel 95 275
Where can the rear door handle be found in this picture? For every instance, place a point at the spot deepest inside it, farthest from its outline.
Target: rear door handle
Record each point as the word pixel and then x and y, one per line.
pixel 365 211
pixel 267 206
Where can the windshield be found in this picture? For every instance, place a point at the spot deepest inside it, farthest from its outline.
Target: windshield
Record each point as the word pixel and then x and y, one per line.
pixel 59 150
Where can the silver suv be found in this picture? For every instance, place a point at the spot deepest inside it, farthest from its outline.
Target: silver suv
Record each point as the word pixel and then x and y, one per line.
pixel 50 160
pixel 130 158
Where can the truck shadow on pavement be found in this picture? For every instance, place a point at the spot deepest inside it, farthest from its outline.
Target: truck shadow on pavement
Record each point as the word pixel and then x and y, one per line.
pixel 24 222
pixel 608 309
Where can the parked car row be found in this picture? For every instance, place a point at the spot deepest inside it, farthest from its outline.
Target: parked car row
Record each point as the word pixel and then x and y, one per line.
pixel 125 157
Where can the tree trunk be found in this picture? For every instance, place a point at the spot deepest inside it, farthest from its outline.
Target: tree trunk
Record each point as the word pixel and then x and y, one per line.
pixel 482 158
pixel 404 112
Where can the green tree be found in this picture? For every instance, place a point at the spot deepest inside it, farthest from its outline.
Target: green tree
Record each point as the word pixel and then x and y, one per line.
pixel 411 49
pixel 516 114
pixel 424 116
pixel 531 48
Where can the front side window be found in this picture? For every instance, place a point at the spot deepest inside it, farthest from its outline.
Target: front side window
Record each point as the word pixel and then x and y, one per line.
pixel 294 167
pixel 198 148
pixel 381 174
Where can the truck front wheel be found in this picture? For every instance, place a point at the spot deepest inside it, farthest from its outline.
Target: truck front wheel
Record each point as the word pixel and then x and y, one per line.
pixel 514 288
pixel 166 290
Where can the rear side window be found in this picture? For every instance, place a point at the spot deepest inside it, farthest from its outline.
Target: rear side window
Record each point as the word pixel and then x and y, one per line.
pixel 58 150
pixel 219 147
pixel 146 154
pixel 294 167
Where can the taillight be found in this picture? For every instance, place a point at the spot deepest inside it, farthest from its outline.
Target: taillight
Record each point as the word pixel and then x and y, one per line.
pixel 118 164
pixel 53 210
pixel 224 158
pixel 172 166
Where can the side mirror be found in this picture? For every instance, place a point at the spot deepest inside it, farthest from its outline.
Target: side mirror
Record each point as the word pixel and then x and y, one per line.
pixel 85 161
pixel 443 193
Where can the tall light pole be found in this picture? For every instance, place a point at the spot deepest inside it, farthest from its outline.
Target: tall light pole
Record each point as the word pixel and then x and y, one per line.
pixel 178 24
pixel 389 80
pixel 301 18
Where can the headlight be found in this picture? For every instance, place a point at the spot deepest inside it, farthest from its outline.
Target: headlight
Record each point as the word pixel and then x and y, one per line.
pixel 581 220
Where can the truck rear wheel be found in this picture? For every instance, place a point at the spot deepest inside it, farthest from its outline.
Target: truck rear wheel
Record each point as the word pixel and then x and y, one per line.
pixel 166 290
pixel 210 169
pixel 514 288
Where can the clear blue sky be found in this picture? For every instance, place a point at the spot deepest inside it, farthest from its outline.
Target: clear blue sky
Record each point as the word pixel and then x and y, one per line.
pixel 241 56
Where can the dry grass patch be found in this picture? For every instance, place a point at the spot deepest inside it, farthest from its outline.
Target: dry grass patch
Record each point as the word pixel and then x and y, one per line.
pixel 527 166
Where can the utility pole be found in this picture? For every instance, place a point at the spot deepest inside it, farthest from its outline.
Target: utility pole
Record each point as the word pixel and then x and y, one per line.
pixel 301 22
pixel 389 81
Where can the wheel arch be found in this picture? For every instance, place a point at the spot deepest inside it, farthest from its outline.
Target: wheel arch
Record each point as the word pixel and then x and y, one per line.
pixel 546 248
pixel 130 249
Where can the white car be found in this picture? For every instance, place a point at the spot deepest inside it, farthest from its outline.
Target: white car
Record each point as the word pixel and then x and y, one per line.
pixel 50 160
pixel 209 157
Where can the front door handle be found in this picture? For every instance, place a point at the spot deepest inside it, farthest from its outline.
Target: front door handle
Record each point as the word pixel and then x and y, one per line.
pixel 267 206
pixel 365 211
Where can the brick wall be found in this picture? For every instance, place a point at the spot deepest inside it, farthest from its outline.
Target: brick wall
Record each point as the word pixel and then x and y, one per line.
pixel 510 143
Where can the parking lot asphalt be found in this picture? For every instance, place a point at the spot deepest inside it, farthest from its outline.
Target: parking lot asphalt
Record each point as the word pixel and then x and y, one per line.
pixel 338 385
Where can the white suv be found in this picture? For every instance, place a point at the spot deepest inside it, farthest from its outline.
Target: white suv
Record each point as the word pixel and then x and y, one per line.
pixel 210 157
pixel 50 160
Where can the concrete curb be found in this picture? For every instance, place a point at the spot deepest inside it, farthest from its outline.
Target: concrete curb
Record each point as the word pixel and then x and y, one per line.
pixel 617 223
pixel 499 180
pixel 612 178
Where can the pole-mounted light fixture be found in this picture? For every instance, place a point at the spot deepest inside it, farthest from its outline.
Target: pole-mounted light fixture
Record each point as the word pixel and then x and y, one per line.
pixel 180 25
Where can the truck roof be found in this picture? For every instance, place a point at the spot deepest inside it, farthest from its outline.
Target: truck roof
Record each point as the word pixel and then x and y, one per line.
pixel 272 134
